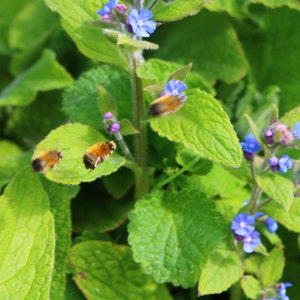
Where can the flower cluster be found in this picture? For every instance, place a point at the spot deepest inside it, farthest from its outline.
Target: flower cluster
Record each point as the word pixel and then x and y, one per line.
pixel 280 133
pixel 138 21
pixel 250 146
pixel 243 229
pixel 110 124
pixel 283 164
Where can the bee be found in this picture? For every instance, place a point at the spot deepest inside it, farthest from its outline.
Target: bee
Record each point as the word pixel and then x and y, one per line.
pixel 99 152
pixel 166 105
pixel 46 160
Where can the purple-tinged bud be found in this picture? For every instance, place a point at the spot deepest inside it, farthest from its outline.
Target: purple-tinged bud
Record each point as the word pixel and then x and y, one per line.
pixel 108 115
pixel 121 7
pixel 273 161
pixel 271 224
pixel 114 127
pixel 269 137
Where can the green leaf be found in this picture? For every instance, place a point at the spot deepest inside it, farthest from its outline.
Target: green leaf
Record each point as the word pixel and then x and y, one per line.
pixel 272 63
pixel 290 219
pixel 12 159
pixel 27 239
pixel 136 44
pixel 106 102
pixel 82 102
pixel 212 46
pixel 203 127
pixel 176 10
pixel 250 286
pixel 74 140
pixel 223 269
pixel 59 197
pixel 252 264
pixel 272 267
pixel 127 128
pixel 280 189
pixel 234 8
pixel 173 234
pixel 277 3
pixel 181 73
pixel 105 271
pixel 77 16
pixel 46 74
pixel 291 117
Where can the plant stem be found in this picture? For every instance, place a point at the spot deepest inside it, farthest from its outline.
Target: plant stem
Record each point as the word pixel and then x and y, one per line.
pixel 235 292
pixel 173 176
pixel 256 191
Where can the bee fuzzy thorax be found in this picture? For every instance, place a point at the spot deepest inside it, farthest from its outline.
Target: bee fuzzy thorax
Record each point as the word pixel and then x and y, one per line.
pixel 46 160
pixel 97 153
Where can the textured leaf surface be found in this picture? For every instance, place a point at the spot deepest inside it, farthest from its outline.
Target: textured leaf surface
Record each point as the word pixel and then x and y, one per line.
pixel 172 235
pixel 81 99
pixel 46 74
pixel 291 117
pixel 272 267
pixel 250 286
pixel 77 16
pixel 212 46
pixel 175 10
pixel 74 140
pixel 278 188
pixel 27 239
pixel 202 126
pixel 290 219
pixel 106 271
pixel 223 268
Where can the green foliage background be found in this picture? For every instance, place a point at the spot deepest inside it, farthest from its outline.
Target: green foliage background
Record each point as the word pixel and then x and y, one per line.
pixel 76 234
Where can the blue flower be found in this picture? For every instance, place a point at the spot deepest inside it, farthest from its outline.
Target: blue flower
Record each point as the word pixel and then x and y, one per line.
pixel 140 22
pixel 271 224
pixel 282 290
pixel 241 225
pixel 107 8
pixel 175 87
pixel 250 146
pixel 296 130
pixel 284 163
pixel 251 242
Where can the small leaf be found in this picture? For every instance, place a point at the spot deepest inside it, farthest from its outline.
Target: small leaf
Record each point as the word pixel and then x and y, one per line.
pixel 250 286
pixel 106 102
pixel 73 140
pixel 222 270
pixel 272 267
pixel 203 127
pixel 136 44
pixel 105 271
pixel 181 73
pixel 291 117
pixel 127 127
pixel 173 234
pixel 26 238
pixel 280 189
pixel 46 74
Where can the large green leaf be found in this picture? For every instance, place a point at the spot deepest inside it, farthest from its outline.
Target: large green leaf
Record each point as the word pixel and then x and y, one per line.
pixel 73 140
pixel 212 46
pixel 105 271
pixel 272 61
pixel 280 189
pixel 81 99
pixel 173 234
pixel 175 10
pixel 27 239
pixel 202 126
pixel 223 268
pixel 77 16
pixel 250 286
pixel 46 74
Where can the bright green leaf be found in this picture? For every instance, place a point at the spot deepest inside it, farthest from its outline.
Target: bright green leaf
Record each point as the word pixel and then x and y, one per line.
pixel 291 117
pixel 77 17
pixel 175 10
pixel 223 269
pixel 136 44
pixel 73 140
pixel 105 271
pixel 280 189
pixel 27 239
pixel 250 286
pixel 127 128
pixel 272 267
pixel 173 234
pixel 46 74
pixel 203 127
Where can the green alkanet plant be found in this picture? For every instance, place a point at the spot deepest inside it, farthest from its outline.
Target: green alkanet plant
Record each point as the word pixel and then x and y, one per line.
pixel 149 149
